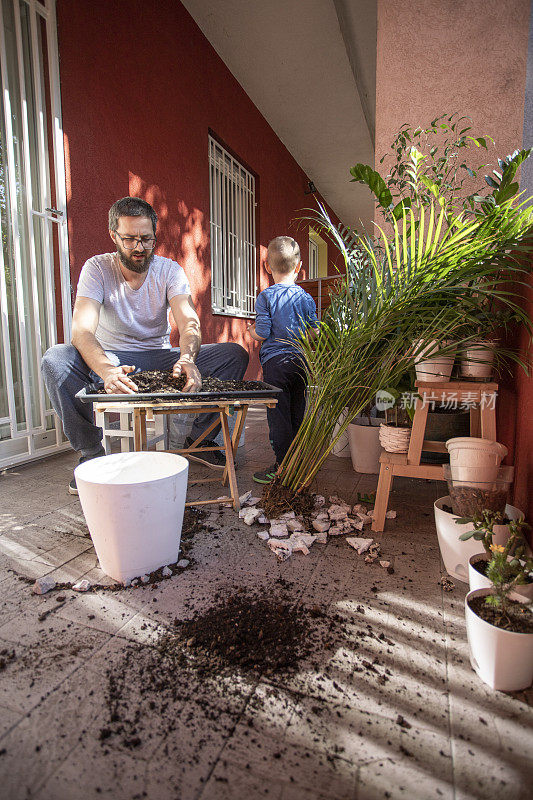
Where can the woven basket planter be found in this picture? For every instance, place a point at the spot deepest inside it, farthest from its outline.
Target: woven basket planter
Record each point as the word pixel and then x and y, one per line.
pixel 394 440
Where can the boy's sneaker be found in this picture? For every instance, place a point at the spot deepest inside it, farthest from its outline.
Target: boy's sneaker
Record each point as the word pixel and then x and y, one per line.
pixel 72 488
pixel 214 458
pixel 266 475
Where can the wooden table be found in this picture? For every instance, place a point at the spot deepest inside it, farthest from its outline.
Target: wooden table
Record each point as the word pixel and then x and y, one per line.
pixel 140 410
pixel 480 398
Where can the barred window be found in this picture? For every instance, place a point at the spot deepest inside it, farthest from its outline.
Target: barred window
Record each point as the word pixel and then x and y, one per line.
pixel 232 210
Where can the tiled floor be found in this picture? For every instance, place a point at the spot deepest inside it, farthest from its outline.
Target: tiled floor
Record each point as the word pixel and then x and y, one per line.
pixel 330 731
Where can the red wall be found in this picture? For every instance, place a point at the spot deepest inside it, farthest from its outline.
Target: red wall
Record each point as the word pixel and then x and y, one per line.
pixel 140 87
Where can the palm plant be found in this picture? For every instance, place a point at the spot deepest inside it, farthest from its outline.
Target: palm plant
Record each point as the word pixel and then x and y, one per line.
pixel 424 281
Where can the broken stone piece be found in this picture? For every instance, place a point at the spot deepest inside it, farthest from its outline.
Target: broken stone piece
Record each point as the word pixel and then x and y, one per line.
pixel 319 500
pixel 365 518
pixel 336 530
pixel 263 520
pixel 338 512
pixel 359 508
pixel 391 515
pixel 166 572
pixel 252 501
pixel 245 497
pixel 126 583
pixel 278 529
pixel 263 535
pixel 322 516
pixel 301 542
pixel 295 525
pixel 358 526
pixel 243 512
pixel 283 550
pixel 359 544
pixel 82 586
pixel 320 525
pixel 43 585
pixel 183 563
pixel 135 582
pixel 145 578
pixel 288 515
pixel 251 516
pixel 384 564
pixel 322 537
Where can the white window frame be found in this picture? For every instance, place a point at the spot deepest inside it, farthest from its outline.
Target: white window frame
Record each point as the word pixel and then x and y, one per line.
pixel 313 259
pixel 232 225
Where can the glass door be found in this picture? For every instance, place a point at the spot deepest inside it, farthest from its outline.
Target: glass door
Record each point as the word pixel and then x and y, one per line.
pixel 34 274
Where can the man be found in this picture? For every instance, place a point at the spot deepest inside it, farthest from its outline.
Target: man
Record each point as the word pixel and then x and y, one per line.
pixel 120 324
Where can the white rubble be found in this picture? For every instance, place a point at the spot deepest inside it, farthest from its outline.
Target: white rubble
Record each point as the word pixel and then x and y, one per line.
pixel 243 499
pixel 43 585
pixel 359 544
pixel 359 508
pixel 263 520
pixel 263 535
pixel 251 516
pixel 338 512
pixel 322 537
pixel 384 564
pixel 319 500
pixel 321 516
pixel 295 525
pixel 243 512
pixel 283 550
pixel 391 515
pixel 252 501
pixel 288 515
pixel 365 518
pixel 184 562
pixel 82 586
pixel 320 525
pixel 144 578
pixel 301 542
pixel 166 572
pixel 278 529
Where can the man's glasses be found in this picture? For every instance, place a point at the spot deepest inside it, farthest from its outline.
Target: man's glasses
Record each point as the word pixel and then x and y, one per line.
pixel 130 242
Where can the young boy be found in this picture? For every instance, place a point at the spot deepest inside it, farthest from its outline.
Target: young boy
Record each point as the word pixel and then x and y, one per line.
pixel 282 312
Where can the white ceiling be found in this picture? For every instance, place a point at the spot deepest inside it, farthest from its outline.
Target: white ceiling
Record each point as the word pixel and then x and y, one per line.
pixel 309 67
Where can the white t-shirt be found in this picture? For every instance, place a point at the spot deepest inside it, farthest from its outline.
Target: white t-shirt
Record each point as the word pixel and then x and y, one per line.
pixel 132 319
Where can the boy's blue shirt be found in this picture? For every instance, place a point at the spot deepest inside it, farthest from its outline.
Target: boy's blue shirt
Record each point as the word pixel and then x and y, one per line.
pixel 281 313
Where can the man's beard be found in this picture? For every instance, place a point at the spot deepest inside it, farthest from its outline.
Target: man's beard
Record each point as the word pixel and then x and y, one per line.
pixel 131 264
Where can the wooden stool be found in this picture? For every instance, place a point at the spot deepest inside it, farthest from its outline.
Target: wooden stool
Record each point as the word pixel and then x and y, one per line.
pixel 479 398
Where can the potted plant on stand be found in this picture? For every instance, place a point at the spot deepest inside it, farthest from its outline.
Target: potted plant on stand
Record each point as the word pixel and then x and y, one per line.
pixel 499 622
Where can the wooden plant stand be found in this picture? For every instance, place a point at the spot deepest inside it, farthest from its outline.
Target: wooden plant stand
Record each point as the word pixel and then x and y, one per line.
pixel 141 409
pixel 480 398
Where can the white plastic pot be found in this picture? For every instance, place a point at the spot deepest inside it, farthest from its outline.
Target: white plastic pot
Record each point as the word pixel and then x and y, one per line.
pixel 477 580
pixel 454 552
pixel 478 361
pixel 365 448
pixel 476 460
pixel 341 448
pixel 502 659
pixel 133 505
pixel 432 369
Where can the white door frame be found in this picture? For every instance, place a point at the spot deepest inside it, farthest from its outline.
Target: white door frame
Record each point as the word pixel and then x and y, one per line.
pixel 33 438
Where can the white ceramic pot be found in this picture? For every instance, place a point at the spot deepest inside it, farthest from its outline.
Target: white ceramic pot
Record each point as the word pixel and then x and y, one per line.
pixel 394 440
pixel 502 659
pixel 476 460
pixel 432 369
pixel 454 552
pixel 133 504
pixel 477 580
pixel 365 448
pixel 341 448
pixel 478 361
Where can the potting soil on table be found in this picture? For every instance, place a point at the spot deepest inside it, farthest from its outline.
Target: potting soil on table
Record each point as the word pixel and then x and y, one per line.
pixel 161 382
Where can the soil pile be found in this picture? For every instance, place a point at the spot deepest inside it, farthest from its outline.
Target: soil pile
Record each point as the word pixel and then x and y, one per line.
pixel 161 382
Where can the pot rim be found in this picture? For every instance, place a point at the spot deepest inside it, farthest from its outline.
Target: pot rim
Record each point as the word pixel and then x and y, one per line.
pixel 512 596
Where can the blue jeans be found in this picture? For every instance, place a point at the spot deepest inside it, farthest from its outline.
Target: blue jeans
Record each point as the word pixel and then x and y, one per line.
pixel 65 373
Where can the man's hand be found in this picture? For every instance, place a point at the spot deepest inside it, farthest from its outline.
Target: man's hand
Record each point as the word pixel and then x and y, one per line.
pixel 190 370
pixel 116 380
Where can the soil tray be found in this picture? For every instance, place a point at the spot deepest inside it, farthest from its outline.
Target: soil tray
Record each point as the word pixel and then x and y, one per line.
pixel 168 391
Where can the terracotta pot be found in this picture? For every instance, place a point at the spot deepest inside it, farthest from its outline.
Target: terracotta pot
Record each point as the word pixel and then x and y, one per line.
pixel 365 448
pixel 455 553
pixel 432 369
pixel 477 580
pixel 473 459
pixel 478 361
pixel 394 440
pixel 502 659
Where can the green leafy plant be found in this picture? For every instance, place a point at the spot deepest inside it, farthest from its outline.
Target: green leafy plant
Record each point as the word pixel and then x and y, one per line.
pixel 434 164
pixel 509 565
pixel 419 282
